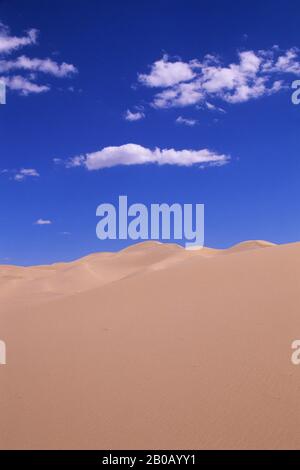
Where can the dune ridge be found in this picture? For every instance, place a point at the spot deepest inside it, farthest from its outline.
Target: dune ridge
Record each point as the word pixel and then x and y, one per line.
pixel 153 347
pixel 44 282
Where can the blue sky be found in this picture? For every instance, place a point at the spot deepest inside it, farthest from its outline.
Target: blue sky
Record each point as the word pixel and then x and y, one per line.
pixel 212 79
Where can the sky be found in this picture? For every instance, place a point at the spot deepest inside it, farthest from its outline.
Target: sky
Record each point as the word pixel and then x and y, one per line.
pixel 162 101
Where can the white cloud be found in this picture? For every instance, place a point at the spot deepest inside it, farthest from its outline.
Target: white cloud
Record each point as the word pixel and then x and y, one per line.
pixel 186 122
pixel 75 162
pixel 24 86
pixel 165 73
pixel 20 175
pixel 43 222
pixel 183 94
pixel 213 107
pixel 47 66
pixel 253 75
pixel 25 173
pixel 21 73
pixel 133 116
pixel 288 62
pixel 10 43
pixel 133 154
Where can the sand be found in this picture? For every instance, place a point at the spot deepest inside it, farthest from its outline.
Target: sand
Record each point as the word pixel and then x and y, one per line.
pixel 154 347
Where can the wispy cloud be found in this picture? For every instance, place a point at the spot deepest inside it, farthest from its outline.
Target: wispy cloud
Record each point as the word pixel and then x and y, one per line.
pixel 255 74
pixel 133 154
pixel 43 222
pixel 9 43
pixel 25 81
pixel 26 173
pixel 186 121
pixel 24 86
pixel 133 116
pixel 213 107
pixel 47 66
pixel 20 175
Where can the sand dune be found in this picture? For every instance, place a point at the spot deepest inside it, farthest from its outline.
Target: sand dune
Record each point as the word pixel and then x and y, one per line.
pixel 154 347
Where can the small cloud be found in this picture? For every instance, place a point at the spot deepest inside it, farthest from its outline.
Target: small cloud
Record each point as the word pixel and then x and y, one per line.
pixel 212 107
pixel 71 163
pixel 47 66
pixel 133 116
pixel 10 43
pixel 43 222
pixel 75 161
pixel 186 122
pixel 65 233
pixel 24 86
pixel 26 173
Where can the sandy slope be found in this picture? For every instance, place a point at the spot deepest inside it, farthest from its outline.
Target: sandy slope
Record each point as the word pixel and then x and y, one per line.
pixel 153 347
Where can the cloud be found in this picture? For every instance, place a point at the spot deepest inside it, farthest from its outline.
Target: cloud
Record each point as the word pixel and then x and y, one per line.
pixel 43 222
pixel 285 63
pixel 47 66
pixel 10 43
pixel 26 173
pixel 22 174
pixel 164 73
pixel 133 154
pixel 75 162
pixel 133 116
pixel 21 73
pixel 24 86
pixel 255 74
pixel 212 107
pixel 186 122
pixel 184 94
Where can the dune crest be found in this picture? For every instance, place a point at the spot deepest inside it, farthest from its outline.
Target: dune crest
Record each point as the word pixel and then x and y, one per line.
pixel 251 245
pixel 38 283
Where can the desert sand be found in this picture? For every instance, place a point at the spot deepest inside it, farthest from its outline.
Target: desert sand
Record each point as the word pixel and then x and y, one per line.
pixel 154 347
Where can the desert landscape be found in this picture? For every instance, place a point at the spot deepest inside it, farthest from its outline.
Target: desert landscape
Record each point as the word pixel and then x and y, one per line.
pixel 153 347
